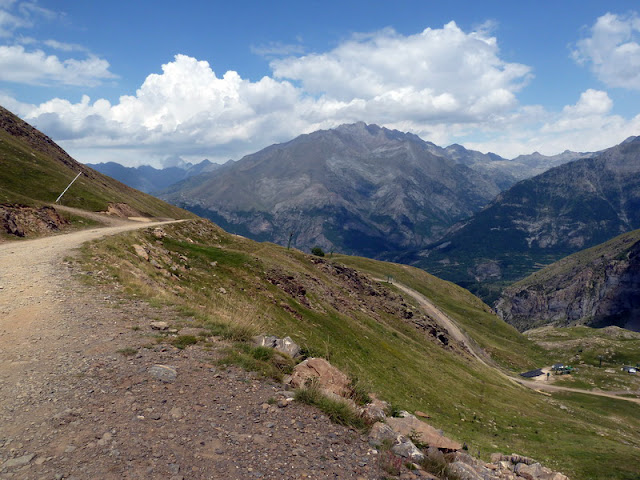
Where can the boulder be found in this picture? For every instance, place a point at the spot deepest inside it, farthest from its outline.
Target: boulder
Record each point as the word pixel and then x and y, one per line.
pixel 462 471
pixel 288 346
pixel 265 341
pixel 329 378
pixel 380 434
pixel 374 411
pixel 410 426
pixel 284 345
pixel 159 233
pixel 534 471
pixel 406 449
pixel 141 252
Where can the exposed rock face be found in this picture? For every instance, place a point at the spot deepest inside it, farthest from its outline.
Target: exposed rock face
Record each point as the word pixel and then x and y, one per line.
pixel 598 287
pixel 540 220
pixel 22 221
pixel 423 432
pixel 357 188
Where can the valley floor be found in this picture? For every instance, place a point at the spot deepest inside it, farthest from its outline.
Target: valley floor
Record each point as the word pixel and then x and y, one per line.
pixel 73 404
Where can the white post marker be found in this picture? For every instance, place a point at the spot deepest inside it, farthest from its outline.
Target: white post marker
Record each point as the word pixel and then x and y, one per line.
pixel 65 190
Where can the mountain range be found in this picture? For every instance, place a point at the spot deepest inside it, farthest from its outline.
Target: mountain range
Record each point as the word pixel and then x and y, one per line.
pixel 358 189
pixel 540 220
pixel 149 179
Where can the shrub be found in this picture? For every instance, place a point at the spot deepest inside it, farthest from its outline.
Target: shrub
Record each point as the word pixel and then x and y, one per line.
pixel 317 251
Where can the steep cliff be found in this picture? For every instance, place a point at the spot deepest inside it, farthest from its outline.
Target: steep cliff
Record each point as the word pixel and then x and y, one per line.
pixel 596 287
pixel 539 221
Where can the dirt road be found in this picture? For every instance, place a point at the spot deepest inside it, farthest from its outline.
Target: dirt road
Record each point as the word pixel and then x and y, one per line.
pixel 446 322
pixel 79 399
pixel 33 284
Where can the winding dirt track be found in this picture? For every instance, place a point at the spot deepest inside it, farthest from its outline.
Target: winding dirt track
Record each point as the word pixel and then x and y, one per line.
pixel 31 290
pixel 73 405
pixel 446 322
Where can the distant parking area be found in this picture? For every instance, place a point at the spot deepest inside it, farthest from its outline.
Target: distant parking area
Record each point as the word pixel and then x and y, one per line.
pixel 532 373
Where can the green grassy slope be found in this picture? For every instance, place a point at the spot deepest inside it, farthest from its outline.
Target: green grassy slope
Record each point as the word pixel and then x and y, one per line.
pixel 35 171
pixel 216 278
pixel 597 353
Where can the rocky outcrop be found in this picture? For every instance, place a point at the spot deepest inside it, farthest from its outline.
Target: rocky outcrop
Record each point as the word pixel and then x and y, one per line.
pixel 24 221
pixel 598 287
pixel 422 432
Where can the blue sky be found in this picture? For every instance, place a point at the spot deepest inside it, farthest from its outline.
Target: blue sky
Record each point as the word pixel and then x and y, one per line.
pixel 158 82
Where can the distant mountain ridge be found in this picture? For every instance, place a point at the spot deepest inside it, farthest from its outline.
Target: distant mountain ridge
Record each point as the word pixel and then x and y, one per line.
pixel 506 172
pixel 149 179
pixel 540 220
pixel 357 188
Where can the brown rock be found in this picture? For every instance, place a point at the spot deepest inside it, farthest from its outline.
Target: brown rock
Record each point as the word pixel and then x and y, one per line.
pixel 328 377
pixel 424 433
pixel 141 252
pixel 532 472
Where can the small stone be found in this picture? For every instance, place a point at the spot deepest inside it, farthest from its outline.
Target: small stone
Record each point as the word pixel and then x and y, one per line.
pixel 19 461
pixel 222 290
pixel 164 373
pixel 159 325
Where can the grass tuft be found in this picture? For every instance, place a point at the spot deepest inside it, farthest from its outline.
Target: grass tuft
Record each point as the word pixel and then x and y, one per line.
pixel 183 341
pixel 338 411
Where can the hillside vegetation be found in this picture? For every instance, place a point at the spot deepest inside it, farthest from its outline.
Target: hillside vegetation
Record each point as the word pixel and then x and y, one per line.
pixel 35 171
pixel 598 354
pixel 234 288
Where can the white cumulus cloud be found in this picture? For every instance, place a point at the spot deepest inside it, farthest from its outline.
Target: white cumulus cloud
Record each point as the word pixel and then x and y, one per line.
pixel 445 85
pixel 37 68
pixel 612 50
pixel 440 72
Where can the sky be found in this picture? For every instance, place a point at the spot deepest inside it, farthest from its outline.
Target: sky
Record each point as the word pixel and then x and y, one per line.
pixel 160 82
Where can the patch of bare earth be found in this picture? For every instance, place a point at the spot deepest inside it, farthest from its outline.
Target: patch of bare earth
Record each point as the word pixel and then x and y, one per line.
pixel 79 398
